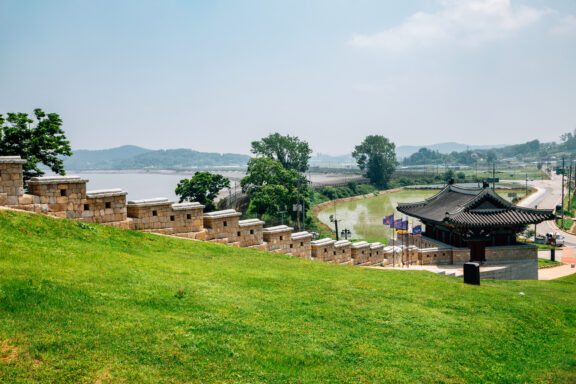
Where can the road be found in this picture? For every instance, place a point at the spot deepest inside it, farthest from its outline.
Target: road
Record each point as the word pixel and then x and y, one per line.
pixel 549 194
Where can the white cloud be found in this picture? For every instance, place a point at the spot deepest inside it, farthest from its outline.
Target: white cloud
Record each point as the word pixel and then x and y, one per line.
pixel 565 26
pixel 461 22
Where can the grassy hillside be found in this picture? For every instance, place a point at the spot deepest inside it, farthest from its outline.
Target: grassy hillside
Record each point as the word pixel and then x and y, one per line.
pixel 84 303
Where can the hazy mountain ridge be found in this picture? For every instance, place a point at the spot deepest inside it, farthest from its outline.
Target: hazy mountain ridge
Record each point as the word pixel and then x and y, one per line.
pixel 134 157
pixel 403 151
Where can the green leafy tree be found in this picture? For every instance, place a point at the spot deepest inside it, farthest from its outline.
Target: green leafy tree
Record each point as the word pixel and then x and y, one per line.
pixel 376 156
pixel 272 187
pixel 39 141
pixel 491 157
pixel 290 151
pixel 203 188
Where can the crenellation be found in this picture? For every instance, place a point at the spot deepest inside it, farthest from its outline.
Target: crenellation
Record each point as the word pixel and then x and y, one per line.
pixel 343 252
pixel 66 197
pixel 376 253
pixel 300 244
pixel 322 249
pixel 151 214
pixel 11 179
pixel 222 225
pixel 251 233
pixel 278 238
pixel 188 217
pixel 361 253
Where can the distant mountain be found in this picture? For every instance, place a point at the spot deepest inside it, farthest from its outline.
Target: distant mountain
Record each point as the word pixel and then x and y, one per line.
pixel 183 158
pixel 133 157
pixel 102 158
pixel 403 151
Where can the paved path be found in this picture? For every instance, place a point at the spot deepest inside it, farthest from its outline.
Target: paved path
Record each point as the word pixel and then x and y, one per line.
pixel 555 272
pixel 568 256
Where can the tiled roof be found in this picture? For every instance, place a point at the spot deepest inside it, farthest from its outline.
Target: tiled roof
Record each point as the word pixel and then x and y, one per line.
pixel 473 207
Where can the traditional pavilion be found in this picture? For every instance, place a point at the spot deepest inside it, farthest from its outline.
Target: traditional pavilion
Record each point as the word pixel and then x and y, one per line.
pixel 473 218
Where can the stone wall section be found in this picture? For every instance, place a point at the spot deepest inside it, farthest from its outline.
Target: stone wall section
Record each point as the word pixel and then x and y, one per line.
pixel 323 249
pixel 63 195
pixel 105 206
pixel 300 244
pixel 376 253
pixel 278 238
pixel 250 233
pixel 361 253
pixel 66 197
pixel 222 226
pixel 11 184
pixel 151 215
pixel 343 252
pixel 188 218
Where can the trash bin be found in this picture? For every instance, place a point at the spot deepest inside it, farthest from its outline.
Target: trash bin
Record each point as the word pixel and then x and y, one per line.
pixel 553 254
pixel 472 273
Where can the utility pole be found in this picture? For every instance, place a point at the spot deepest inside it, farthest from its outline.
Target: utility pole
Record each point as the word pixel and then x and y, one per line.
pixel 526 193
pixel 569 184
pixel 535 232
pixel 335 221
pixel 563 172
pixel 494 176
pixel 298 204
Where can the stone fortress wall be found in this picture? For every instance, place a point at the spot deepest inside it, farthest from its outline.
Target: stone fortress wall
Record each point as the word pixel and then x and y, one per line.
pixel 67 197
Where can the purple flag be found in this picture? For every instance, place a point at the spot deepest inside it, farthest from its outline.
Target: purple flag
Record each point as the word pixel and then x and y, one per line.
pixel 389 220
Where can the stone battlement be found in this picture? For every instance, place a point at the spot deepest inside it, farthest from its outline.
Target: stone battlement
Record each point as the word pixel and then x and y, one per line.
pixel 67 197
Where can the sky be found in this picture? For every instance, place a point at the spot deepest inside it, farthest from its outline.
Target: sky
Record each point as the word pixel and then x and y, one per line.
pixel 216 75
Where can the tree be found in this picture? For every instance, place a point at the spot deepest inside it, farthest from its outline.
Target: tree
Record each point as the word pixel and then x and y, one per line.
pixel 290 151
pixel 569 140
pixel 43 143
pixel 272 187
pixel 491 157
pixel 203 188
pixel 377 157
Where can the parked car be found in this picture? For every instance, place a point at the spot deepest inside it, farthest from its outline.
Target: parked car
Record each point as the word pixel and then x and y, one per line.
pixel 540 239
pixel 555 239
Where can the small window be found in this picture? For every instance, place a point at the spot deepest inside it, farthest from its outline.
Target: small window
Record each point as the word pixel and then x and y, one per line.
pixel 237 233
pixel 86 207
pixel 325 250
pixel 291 245
pixel 189 216
pixel 376 252
pixel 334 253
pixel 301 243
pixel 281 238
pixel 108 205
pixel 154 213
pixel 225 224
pixel 62 192
pixel 343 251
pixel 171 218
pixel 251 231
pixel 362 252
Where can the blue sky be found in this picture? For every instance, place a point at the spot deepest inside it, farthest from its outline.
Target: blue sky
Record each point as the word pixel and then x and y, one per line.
pixel 216 75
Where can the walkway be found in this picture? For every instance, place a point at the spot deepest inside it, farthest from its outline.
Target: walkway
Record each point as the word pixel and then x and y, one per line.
pixel 568 255
pixel 555 272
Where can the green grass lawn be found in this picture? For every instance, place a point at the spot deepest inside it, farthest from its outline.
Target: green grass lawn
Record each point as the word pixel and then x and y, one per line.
pixel 545 263
pixel 85 303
